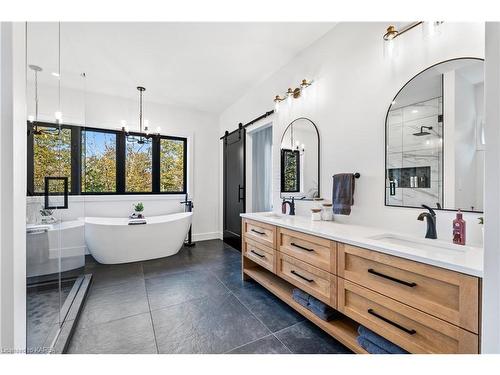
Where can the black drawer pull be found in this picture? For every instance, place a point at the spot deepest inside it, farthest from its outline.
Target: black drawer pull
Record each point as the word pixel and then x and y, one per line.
pixel 302 277
pixel 372 271
pixel 256 231
pixel 256 253
pixel 408 331
pixel 301 247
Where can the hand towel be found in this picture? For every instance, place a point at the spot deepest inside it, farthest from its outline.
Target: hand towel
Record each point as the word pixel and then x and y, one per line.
pixel 318 305
pixel 300 293
pixel 343 193
pixel 380 341
pixel 369 346
pixel 301 301
pixel 327 315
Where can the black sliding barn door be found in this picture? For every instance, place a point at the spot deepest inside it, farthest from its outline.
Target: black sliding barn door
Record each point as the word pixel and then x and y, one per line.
pixel 234 186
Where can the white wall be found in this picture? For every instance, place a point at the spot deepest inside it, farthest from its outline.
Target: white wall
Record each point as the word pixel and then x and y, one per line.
pixel 353 87
pixel 491 281
pixel 465 144
pixel 12 187
pixel 104 111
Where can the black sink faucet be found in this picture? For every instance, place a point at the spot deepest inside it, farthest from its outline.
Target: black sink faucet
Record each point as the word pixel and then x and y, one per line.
pixel 431 222
pixel 291 203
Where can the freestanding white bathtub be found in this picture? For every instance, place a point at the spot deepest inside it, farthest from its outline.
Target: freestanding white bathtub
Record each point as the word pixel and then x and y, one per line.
pixel 113 241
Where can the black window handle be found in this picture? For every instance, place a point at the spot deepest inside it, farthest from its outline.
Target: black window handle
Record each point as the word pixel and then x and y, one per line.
pixel 408 331
pixel 256 231
pixel 302 277
pixel 256 253
pixel 372 271
pixel 301 247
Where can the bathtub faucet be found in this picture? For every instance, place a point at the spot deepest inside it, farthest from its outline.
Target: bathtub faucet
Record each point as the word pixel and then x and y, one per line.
pixel 189 208
pixel 188 203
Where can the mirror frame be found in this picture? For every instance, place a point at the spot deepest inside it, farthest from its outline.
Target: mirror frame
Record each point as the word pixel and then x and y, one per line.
pixel 319 157
pixel 385 136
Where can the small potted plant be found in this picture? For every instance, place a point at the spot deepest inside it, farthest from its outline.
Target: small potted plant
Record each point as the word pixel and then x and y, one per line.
pixel 138 209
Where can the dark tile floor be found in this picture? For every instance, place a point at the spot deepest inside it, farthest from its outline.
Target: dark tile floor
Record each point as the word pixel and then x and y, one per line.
pixel 192 302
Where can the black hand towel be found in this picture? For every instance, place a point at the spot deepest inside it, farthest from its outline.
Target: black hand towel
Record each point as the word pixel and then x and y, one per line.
pixel 343 193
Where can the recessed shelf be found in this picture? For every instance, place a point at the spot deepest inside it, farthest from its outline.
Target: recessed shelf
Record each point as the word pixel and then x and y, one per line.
pixel 403 176
pixel 344 329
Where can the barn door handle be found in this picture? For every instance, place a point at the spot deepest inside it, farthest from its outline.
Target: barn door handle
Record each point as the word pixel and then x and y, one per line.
pixel 240 188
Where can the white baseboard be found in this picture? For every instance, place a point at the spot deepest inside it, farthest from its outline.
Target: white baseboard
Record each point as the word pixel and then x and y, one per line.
pixel 207 236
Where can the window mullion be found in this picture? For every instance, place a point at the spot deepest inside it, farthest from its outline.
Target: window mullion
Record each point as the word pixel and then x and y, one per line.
pixel 120 162
pixel 156 164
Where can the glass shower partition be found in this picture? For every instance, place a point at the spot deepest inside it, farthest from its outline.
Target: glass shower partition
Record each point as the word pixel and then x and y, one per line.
pixel 55 226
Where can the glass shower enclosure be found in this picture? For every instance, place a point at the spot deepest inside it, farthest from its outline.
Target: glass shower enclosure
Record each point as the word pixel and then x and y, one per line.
pixel 55 242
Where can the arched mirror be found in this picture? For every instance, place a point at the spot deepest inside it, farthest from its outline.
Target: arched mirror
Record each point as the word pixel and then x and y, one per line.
pixel 435 138
pixel 300 160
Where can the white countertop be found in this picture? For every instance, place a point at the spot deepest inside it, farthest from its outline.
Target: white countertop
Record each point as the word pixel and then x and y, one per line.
pixel 464 259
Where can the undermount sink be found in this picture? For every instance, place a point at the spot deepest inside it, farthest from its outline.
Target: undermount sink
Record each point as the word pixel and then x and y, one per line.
pixel 417 243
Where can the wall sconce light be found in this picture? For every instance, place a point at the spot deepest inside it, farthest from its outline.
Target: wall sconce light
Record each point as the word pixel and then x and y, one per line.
pixel 391 33
pixel 277 100
pixel 304 84
pixel 291 94
pixel 429 28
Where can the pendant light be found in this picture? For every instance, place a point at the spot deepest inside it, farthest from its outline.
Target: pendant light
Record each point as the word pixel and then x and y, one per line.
pixel 143 137
pixel 33 119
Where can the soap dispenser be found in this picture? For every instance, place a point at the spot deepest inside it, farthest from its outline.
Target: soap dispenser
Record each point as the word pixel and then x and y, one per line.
pixel 459 229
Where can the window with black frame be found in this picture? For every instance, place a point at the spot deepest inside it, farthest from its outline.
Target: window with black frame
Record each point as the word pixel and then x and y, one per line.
pixel 138 167
pixel 101 161
pixel 290 171
pixel 98 172
pixel 172 161
pixel 50 155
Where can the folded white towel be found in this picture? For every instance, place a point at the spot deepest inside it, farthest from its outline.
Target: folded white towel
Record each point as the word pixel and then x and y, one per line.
pixel 136 221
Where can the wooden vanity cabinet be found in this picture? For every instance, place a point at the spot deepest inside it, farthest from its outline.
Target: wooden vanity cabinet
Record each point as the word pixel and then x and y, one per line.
pixel 422 308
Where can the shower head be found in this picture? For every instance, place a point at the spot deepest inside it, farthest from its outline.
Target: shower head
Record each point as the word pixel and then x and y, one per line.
pixel 422 132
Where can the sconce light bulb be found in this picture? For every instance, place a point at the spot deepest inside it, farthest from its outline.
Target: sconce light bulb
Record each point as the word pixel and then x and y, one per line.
pixel 158 130
pixel 276 106
pixel 124 123
pixel 297 143
pixel 58 116
pixel 302 147
pixel 31 118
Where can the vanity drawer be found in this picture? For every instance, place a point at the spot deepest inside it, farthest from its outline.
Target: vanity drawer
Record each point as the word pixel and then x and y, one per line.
pixel 314 250
pixel 405 326
pixel 448 295
pixel 310 279
pixel 260 232
pixel 260 254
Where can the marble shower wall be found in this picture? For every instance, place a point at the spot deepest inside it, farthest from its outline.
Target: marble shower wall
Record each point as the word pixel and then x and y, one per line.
pixel 405 150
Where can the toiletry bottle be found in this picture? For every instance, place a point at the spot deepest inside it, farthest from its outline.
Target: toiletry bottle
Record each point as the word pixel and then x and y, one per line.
pixel 459 229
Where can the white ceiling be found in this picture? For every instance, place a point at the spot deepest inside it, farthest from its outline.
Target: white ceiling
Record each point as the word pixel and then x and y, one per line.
pixel 204 66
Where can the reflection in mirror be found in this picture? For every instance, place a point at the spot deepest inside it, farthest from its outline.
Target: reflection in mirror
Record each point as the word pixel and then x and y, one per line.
pixel 300 160
pixel 435 138
pixel 290 179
